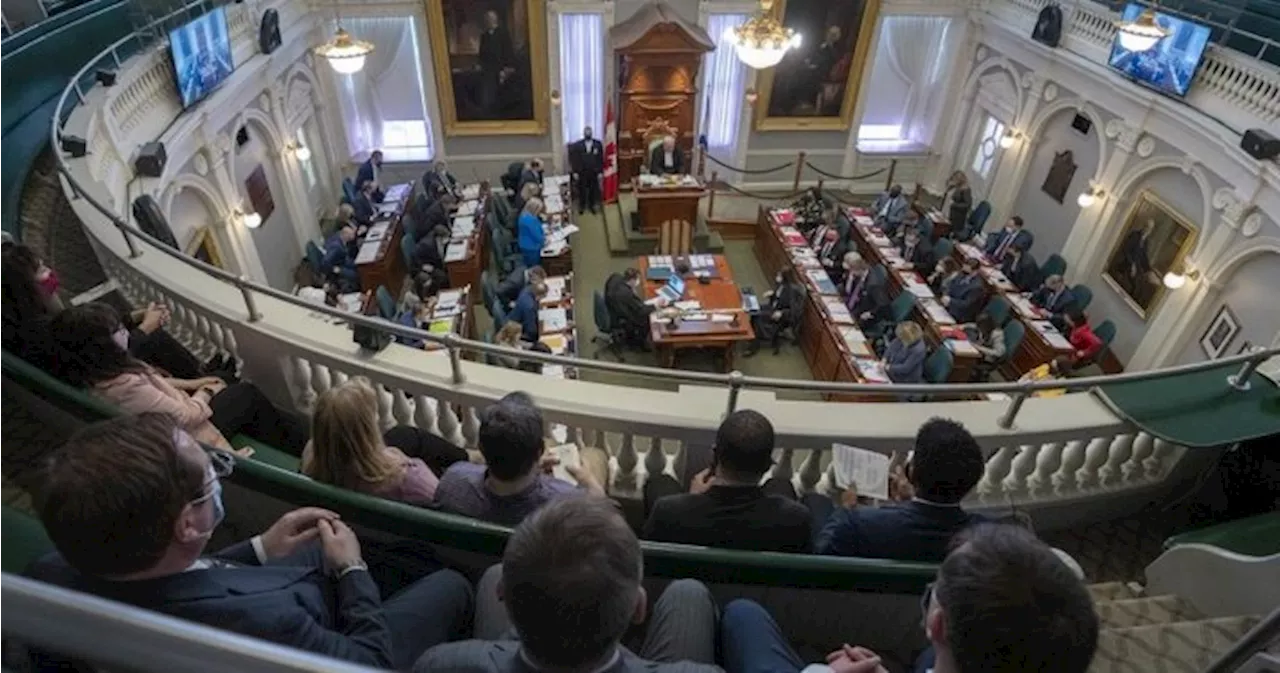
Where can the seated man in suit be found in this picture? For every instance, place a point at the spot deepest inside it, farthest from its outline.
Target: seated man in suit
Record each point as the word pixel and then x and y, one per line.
pixel 363 206
pixel 1020 269
pixel 369 172
pixel 917 249
pixel 1002 600
pixel 532 173
pixel 964 298
pixel 726 506
pixel 525 310
pixel 782 308
pixel 428 262
pixel 569 590
pixel 130 505
pixel 1013 235
pixel 666 159
pixel 1055 298
pixel 512 484
pixel 945 465
pixel 831 253
pixel 438 181
pixel 436 215
pixel 509 289
pixel 627 308
pixel 339 261
pixel 865 293
pixel 889 209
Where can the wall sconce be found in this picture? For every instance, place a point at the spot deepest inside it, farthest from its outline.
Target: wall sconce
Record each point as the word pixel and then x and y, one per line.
pixel 300 152
pixel 250 219
pixel 555 97
pixel 752 95
pixel 1174 280
pixel 1089 196
pixel 1009 138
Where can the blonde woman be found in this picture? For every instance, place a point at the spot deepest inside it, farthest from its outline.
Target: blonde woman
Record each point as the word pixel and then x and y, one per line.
pixel 347 449
pixel 904 357
pixel 529 231
pixel 509 336
pixel 528 191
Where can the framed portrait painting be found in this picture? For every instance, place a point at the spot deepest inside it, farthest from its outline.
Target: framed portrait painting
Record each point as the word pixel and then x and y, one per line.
pixel 491 65
pixel 815 87
pixel 1155 240
pixel 1222 330
pixel 204 247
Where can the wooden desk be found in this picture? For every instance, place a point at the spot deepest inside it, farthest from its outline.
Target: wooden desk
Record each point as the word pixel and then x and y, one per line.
pixel 388 266
pixel 720 295
pixel 561 264
pixel 661 203
pixel 822 341
pixel 963 362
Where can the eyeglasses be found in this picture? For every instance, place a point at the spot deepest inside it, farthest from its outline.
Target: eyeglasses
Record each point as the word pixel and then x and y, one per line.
pixel 926 598
pixel 221 463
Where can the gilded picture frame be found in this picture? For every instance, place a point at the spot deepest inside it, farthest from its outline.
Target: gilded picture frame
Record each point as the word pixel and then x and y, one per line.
pixel 1154 240
pixel 204 247
pixel 778 83
pixel 490 99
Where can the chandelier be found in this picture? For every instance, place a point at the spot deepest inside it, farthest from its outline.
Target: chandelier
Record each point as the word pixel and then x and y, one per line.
pixel 1142 33
pixel 761 42
pixel 345 53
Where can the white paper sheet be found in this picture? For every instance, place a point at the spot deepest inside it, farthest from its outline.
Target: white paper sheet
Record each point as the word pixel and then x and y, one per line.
pixel 553 319
pixel 471 191
pixel 469 207
pixel 867 471
pixel 368 252
pixel 456 252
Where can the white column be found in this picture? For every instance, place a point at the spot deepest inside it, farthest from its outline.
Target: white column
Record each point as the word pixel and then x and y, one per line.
pixel 241 243
pixel 302 217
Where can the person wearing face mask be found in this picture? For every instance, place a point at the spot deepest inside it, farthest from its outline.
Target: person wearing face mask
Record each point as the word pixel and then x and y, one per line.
pixel 964 298
pixel 302 583
pixel 1012 236
pixel 944 273
pixel 865 293
pixel 438 181
pixel 831 252
pixel 889 209
pixel 916 249
pixel 92 352
pixel 586 159
pixel 782 308
pixel 1020 269
pixel 627 308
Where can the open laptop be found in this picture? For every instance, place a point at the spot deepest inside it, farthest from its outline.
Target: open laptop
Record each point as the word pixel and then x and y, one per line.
pixel 673 290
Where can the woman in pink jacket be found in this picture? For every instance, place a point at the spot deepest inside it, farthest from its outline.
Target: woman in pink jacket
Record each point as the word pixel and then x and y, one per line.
pixel 92 351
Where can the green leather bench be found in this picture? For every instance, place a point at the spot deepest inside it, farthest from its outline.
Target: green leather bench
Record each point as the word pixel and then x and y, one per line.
pixel 1251 536
pixel 273 473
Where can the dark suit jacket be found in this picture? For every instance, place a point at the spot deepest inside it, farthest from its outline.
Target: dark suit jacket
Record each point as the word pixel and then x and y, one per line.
pixel 909 531
pixel 873 297
pixel 434 184
pixel 290 605
pixel 657 162
pixel 922 257
pixel 426 251
pixel 1056 305
pixel 509 288
pixel 503 656
pixel 733 517
pixel 966 297
pixel 337 253
pixel 529 175
pixel 584 163
pixel 1021 239
pixel 790 300
pixel 625 306
pixel 365 173
pixel 435 215
pixel 526 313
pixel 1025 274
pixel 364 209
pixel 832 257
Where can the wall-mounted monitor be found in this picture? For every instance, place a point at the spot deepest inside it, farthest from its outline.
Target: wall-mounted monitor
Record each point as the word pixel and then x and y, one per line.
pixel 201 53
pixel 1169 66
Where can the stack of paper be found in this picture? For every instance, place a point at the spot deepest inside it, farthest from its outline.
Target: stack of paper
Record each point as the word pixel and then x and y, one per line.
pixel 936 311
pixel 1022 303
pixel 872 370
pixel 463 226
pixel 456 252
pixel 792 237
pixel 469 207
pixel 821 281
pixel 553 319
pixel 866 471
pixel 376 232
pixel 551 182
pixel 784 215
pixel 562 233
pixel 471 191
pixel 916 286
pixel 555 289
pixel 997 278
pixel 1051 335
pixel 838 311
pixel 558 343
pixel 962 347
pixel 368 252
pixel 970 252
pixel 660 261
pixel 690 305
pixel 722 317
pixel 856 342
pixel 695 317
pixel 396 193
pixel 552 204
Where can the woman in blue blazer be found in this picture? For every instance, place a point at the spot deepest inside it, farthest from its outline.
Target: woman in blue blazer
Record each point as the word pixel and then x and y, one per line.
pixel 904 357
pixel 529 230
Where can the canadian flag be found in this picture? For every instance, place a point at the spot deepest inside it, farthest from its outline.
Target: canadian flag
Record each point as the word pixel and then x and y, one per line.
pixel 610 155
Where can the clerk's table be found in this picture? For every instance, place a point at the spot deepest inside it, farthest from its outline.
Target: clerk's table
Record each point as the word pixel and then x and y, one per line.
pixel 718 322
pixel 660 198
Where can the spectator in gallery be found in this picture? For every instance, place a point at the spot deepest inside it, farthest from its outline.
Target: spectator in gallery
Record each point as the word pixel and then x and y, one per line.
pixel 514 480
pixel 782 308
pixel 569 592
pixel 904 356
pixel 349 450
pixel 946 463
pixel 530 236
pixel 1001 601
pixel 725 505
pixel 131 504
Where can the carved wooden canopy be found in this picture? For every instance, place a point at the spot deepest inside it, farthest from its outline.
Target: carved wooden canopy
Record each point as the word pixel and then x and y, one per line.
pixel 656 27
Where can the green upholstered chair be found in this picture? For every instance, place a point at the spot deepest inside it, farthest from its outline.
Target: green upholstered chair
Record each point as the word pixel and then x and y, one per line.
pixel 1055 265
pixel 998 309
pixel 937 367
pixel 1084 295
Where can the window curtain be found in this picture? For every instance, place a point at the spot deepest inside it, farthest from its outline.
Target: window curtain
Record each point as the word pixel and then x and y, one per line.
pixel 582 87
pixel 388 88
pixel 915 48
pixel 723 88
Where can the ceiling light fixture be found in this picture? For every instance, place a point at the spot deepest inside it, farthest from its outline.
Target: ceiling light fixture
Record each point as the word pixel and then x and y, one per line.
pixel 761 42
pixel 1142 33
pixel 345 53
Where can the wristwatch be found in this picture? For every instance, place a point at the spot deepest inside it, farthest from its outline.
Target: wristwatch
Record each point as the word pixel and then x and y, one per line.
pixel 342 570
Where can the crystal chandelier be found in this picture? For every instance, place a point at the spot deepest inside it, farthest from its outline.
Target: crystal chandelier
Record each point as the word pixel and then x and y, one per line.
pixel 761 42
pixel 345 53
pixel 1142 33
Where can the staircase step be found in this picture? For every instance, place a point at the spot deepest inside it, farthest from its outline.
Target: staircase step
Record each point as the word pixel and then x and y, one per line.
pixel 1179 646
pixel 1129 612
pixel 1113 591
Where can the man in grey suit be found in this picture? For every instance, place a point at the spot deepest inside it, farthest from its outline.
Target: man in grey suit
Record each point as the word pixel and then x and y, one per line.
pixel 569 588
pixel 889 209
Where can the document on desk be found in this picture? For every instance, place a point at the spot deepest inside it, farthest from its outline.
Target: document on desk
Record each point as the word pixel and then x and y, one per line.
pixel 562 233
pixel 456 252
pixel 660 261
pixel 937 312
pixel 376 232
pixel 553 203
pixel 784 215
pixel 997 278
pixel 1051 335
pixel 970 252
pixel 553 371
pixel 1022 303
pixel 387 208
pixel 555 289
pixel 822 281
pixel 449 298
pixel 368 252
pixel 553 319
pixel 463 226
pixel 555 248
pixel 690 305
pixel 558 343
pixel 962 347
pixel 915 286
pixel 856 342
pixel 469 207
pixel 879 240
pixel 867 471
pixel 792 237
pixel 871 370
pixel 396 193
pixel 554 182
pixel 863 221
pixel 722 318
pixel 838 311
pixel 471 191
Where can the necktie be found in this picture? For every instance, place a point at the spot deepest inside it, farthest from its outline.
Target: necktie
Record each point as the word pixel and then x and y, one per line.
pixel 853 293
pixel 1053 300
pixel 1004 245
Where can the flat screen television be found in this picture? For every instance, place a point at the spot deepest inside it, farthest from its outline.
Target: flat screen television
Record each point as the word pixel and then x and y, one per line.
pixel 1169 66
pixel 201 54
